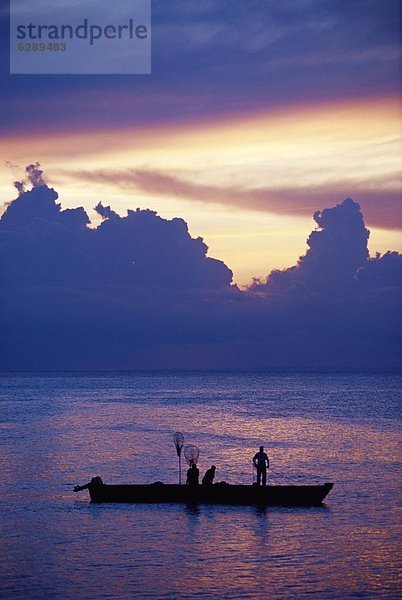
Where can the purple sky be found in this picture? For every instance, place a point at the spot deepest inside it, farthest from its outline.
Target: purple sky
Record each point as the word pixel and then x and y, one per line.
pixel 217 58
pixel 259 119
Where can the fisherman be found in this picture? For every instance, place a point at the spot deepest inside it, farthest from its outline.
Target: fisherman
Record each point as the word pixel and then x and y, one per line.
pixel 261 463
pixel 208 478
pixel 193 475
pixel 94 481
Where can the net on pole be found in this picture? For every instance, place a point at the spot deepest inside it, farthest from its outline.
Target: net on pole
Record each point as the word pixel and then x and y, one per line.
pixel 191 453
pixel 178 442
pixel 178 439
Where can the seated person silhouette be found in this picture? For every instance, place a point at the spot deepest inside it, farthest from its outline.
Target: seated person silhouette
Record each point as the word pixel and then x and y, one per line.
pixel 94 481
pixel 193 475
pixel 261 463
pixel 209 476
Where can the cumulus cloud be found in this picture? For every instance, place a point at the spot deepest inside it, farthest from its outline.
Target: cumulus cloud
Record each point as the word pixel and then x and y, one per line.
pixel 33 175
pixel 382 272
pixel 139 292
pixel 20 187
pixel 39 203
pixel 337 251
pixel 106 212
pixel 137 249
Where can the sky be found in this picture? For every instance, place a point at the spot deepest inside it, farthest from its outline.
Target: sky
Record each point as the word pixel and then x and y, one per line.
pixel 256 115
pixel 253 117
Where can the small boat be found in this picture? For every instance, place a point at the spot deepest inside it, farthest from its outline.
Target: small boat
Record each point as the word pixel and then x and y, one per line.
pixel 219 493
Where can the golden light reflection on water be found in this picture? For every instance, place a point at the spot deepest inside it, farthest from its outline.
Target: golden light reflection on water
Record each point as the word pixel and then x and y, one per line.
pixel 285 438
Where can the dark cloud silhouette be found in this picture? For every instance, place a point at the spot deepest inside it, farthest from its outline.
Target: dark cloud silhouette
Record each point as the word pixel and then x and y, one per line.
pixel 51 244
pixel 139 292
pixel 337 250
pixel 20 187
pixel 40 204
pixel 106 212
pixel 34 176
pixel 381 272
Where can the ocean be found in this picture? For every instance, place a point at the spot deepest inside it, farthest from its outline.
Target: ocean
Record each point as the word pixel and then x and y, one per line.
pixel 61 429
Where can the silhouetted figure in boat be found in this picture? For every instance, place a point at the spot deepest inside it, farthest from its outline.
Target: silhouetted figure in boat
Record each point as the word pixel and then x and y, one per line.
pixel 193 475
pixel 94 481
pixel 261 463
pixel 208 478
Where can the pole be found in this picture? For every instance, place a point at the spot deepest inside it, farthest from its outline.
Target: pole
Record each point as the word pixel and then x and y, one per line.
pixel 178 439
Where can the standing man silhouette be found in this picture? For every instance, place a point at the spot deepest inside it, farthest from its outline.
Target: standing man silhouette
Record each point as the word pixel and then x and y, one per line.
pixel 193 475
pixel 261 463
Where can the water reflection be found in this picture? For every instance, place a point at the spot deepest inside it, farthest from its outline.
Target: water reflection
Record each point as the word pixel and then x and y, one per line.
pixel 60 431
pixel 193 510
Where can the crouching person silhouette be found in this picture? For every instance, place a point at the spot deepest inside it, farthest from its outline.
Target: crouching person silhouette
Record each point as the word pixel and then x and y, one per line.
pixel 209 476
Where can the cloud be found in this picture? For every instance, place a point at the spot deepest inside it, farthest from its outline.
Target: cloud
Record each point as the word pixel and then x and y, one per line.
pixel 139 292
pixel 39 204
pixel 20 187
pixel 106 212
pixel 34 176
pixel 285 53
pixel 382 207
pixel 44 244
pixel 337 253
pixel 382 272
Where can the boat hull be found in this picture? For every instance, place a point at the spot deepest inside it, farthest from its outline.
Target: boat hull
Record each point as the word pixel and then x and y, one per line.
pixel 270 495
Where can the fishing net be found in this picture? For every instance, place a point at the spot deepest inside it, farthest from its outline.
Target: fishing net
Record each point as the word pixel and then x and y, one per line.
pixel 178 442
pixel 191 453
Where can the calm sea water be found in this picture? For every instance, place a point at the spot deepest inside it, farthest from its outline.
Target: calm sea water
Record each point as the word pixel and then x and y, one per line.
pixel 59 430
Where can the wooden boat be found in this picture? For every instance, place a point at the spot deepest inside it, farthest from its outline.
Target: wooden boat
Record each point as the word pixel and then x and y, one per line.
pixel 220 493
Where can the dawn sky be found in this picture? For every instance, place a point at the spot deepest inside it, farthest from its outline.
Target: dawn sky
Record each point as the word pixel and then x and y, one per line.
pixel 255 115
pixel 212 248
